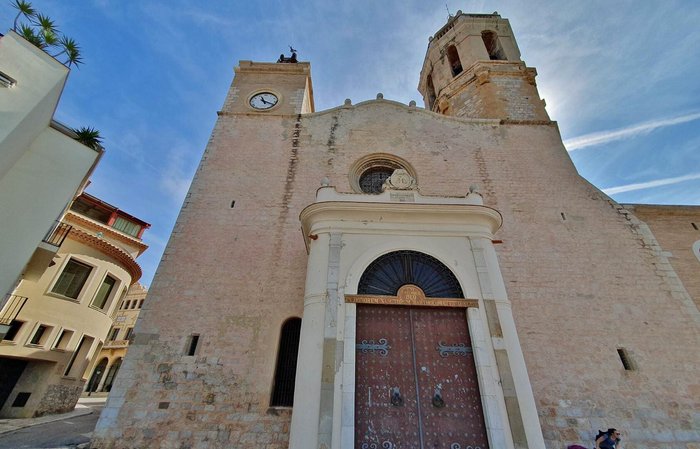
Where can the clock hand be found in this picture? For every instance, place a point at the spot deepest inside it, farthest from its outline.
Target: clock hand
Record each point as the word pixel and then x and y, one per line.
pixel 264 101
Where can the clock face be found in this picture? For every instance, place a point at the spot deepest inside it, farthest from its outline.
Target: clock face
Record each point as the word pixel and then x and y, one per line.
pixel 263 100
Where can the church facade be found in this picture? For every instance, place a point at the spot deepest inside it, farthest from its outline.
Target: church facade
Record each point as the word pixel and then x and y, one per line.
pixel 380 275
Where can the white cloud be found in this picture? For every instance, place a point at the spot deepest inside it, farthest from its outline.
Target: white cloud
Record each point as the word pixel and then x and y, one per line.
pixel 175 177
pixel 650 184
pixel 597 138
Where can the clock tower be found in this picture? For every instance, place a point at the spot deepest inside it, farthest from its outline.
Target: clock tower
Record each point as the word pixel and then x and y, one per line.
pixel 270 89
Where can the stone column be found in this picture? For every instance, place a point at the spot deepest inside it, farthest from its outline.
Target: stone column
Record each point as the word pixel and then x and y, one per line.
pixel 307 389
pixel 514 354
pixel 497 426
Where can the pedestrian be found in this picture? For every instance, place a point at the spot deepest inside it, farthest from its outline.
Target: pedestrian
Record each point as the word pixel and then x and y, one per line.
pixel 607 440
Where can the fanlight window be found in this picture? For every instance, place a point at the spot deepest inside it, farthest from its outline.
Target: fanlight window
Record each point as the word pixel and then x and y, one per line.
pixel 389 272
pixel 372 180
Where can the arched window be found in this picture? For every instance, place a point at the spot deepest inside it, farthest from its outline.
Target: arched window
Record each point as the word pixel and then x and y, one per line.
pixel 111 374
pixel 97 376
pixel 285 373
pixel 453 58
pixel 431 92
pixel 389 272
pixel 493 46
pixel 372 180
pixel 368 174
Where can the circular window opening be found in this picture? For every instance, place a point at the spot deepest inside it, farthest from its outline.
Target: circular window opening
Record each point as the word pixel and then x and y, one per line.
pixel 368 174
pixel 372 180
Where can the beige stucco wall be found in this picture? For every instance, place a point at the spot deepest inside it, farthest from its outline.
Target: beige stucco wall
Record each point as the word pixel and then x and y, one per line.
pixel 115 350
pixel 52 391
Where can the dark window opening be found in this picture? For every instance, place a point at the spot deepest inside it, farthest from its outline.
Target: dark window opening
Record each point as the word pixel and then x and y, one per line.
pixel 72 279
pixel 431 92
pixel 103 292
pixel 192 344
pixel 391 271
pixel 38 335
pixel 15 326
pixel 91 210
pixel 63 339
pixel 372 180
pixel 453 58
pixel 285 373
pixel 111 374
pixel 129 333
pixel 625 359
pixel 493 46
pixel 79 352
pixel 21 399
pixel 113 334
pixel 97 376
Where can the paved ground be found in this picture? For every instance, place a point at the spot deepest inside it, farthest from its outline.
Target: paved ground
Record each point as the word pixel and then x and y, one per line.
pixel 68 430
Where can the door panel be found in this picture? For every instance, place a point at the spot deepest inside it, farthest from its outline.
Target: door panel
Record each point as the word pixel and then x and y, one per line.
pixel 445 364
pixel 422 351
pixel 384 362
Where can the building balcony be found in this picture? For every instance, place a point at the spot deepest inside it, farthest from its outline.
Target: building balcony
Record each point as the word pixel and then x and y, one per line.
pixel 13 306
pixel 46 250
pixel 115 344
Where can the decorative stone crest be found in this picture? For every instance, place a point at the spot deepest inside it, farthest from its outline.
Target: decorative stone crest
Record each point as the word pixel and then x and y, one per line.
pixel 400 180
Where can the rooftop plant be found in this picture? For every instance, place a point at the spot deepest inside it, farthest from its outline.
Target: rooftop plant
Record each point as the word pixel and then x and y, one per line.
pixel 88 136
pixel 42 31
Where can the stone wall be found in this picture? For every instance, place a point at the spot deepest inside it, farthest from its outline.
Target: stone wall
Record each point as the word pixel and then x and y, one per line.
pixel 59 398
pixel 676 229
pixel 582 278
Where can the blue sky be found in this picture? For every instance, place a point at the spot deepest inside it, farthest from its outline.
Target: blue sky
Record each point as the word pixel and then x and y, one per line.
pixel 621 78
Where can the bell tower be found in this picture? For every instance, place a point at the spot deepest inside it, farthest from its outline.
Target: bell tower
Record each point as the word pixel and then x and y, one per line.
pixel 473 69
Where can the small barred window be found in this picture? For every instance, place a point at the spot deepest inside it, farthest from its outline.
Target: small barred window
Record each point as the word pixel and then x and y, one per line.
pixel 373 179
pixel 368 174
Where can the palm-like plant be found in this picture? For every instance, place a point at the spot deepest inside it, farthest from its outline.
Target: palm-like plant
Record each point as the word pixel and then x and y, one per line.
pixel 89 137
pixel 23 9
pixel 71 50
pixel 43 33
pixel 29 34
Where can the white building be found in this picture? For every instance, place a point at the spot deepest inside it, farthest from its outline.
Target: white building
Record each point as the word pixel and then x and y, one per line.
pixel 41 164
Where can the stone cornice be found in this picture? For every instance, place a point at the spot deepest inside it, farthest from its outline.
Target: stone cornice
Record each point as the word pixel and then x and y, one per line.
pixel 113 251
pixel 106 230
pixel 399 218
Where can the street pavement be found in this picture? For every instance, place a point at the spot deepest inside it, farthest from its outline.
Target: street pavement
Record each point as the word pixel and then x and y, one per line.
pixel 68 430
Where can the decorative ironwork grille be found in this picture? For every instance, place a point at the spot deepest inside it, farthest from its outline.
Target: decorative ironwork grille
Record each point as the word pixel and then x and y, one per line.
pixel 285 373
pixel 386 274
pixel 372 180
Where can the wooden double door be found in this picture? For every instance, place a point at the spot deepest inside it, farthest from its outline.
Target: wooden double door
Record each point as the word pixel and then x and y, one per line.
pixel 415 380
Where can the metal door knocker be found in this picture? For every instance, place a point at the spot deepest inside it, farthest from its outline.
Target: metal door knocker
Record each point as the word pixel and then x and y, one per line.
pixel 396 399
pixel 437 397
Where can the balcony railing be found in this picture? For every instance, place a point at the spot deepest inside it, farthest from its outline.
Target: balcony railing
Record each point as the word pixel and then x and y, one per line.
pixel 12 308
pixel 58 233
pixel 116 344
